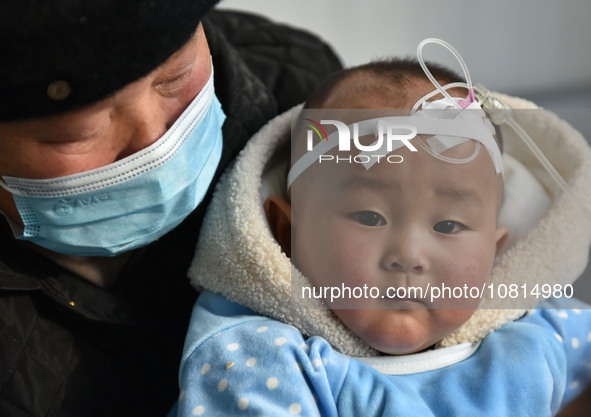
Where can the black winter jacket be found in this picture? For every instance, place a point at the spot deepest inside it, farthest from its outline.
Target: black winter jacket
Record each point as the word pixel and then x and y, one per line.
pixel 70 348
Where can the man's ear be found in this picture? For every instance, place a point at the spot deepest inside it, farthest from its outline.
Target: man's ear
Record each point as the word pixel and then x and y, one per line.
pixel 502 236
pixel 278 211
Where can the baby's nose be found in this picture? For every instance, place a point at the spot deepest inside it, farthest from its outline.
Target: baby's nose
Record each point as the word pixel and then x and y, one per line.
pixel 406 267
pixel 407 254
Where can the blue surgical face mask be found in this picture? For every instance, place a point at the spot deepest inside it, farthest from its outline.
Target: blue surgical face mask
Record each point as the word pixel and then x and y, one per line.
pixel 129 203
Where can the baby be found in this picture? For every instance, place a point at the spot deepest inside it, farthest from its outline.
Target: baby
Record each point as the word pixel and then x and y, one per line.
pixel 267 336
pixel 411 224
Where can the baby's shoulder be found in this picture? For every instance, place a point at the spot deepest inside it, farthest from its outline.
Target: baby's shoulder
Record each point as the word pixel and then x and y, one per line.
pixel 557 327
pixel 227 332
pixel 253 363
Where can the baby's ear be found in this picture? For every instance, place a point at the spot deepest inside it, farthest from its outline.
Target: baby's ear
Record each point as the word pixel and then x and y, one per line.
pixel 278 211
pixel 502 236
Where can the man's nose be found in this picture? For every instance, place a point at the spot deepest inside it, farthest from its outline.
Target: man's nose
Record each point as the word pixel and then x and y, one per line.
pixel 147 123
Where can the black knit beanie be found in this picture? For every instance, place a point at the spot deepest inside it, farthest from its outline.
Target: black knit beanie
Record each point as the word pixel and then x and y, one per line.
pixel 59 55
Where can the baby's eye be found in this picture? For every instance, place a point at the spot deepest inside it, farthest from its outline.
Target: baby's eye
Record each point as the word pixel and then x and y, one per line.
pixel 448 227
pixel 369 218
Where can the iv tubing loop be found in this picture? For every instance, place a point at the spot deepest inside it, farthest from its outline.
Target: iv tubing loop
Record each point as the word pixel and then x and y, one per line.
pixel 546 164
pixel 500 114
pixel 430 76
pixel 435 92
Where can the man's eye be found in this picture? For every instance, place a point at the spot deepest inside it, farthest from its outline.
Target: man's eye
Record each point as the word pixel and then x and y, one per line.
pixel 369 218
pixel 448 227
pixel 174 83
pixel 177 79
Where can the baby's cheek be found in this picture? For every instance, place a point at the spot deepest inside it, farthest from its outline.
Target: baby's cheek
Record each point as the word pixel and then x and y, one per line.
pixel 462 282
pixel 470 269
pixel 348 273
pixel 449 320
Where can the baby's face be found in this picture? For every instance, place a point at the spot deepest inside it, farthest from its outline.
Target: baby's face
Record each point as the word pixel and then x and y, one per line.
pixel 422 223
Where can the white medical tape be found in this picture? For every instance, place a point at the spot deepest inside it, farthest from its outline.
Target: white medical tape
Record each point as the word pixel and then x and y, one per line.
pixel 467 124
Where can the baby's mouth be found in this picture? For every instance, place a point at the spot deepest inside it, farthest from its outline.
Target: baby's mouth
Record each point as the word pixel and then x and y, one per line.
pixel 406 297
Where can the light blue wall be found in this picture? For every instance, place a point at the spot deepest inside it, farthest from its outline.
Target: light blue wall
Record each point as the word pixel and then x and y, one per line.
pixel 516 46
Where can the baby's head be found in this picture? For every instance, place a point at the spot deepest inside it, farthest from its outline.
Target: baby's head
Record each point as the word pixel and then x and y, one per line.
pixel 388 84
pixel 394 230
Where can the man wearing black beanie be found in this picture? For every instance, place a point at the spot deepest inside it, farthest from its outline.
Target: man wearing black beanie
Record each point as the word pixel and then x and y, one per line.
pixel 116 117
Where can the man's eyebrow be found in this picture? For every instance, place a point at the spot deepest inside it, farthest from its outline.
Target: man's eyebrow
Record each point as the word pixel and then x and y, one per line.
pixel 459 194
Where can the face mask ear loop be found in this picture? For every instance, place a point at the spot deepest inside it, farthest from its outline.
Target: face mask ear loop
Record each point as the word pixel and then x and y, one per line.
pixel 11 190
pixel 430 76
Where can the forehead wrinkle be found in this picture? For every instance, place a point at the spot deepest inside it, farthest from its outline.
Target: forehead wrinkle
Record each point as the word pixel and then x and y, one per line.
pixel 362 181
pixel 460 195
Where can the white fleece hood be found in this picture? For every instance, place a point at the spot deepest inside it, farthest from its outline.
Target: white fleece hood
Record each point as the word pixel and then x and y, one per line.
pixel 238 257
